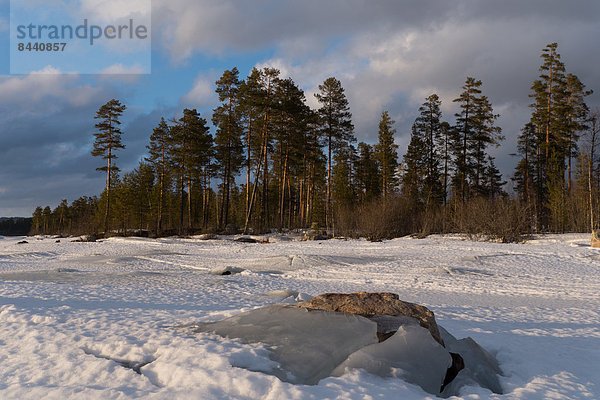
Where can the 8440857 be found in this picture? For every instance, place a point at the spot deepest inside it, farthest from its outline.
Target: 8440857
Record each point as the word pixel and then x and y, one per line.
pixel 41 47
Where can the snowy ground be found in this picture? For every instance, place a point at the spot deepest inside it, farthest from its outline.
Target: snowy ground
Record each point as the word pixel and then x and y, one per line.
pixel 71 314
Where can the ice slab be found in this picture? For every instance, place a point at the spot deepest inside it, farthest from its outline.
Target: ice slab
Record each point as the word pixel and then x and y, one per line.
pixel 308 345
pixel 410 354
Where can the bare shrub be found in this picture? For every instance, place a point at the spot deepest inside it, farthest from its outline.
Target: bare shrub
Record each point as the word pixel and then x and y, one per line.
pixel 380 220
pixel 503 220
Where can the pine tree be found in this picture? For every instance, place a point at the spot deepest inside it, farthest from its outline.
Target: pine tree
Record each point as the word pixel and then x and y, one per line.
pixel 444 145
pixel 108 140
pixel 191 152
pixel 228 140
pixel 335 120
pixel 386 152
pixel 159 151
pixel 262 84
pixel 62 215
pixel 291 123
pixel 577 113
pixel 525 174
pixel 464 132
pixel 47 220
pixel 37 221
pixel 559 114
pixel 249 100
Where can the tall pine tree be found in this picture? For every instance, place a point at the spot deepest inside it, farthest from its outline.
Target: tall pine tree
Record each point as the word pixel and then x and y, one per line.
pixel 108 141
pixel 228 139
pixel 337 130
pixel 158 156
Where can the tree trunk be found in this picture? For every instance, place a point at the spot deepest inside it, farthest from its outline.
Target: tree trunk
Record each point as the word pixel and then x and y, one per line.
pixel 328 201
pixel 189 205
pixel 181 204
pixel 253 196
pixel 248 164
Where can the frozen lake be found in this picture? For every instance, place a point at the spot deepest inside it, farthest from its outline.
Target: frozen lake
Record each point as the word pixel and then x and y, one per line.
pixel 104 320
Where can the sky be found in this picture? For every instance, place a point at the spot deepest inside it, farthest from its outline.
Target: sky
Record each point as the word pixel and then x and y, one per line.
pixel 388 54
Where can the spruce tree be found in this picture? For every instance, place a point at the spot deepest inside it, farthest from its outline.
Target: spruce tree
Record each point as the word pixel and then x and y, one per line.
pixel 343 190
pixel 367 173
pixel 486 133
pixel 414 169
pixel 386 152
pixel 475 130
pixel 493 183
pixel 428 126
pixel 108 141
pixel 336 129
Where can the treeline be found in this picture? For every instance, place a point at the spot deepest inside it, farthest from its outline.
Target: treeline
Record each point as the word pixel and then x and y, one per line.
pixel 302 167
pixel 15 226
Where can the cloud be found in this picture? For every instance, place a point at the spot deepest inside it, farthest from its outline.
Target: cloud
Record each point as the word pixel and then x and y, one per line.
pixel 394 67
pixel 388 55
pixel 202 93
pixel 124 73
pixel 190 26
pixel 109 11
pixel 47 122
pixel 44 92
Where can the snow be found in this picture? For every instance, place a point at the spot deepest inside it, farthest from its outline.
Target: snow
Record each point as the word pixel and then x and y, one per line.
pixel 76 318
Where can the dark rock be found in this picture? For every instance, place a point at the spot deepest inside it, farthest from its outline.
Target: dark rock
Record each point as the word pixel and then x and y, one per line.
pixel 375 304
pixel 387 325
pixel 86 239
pixel 228 270
pixel 480 367
pixel 23 242
pixel 314 233
pixel 458 364
pixel 245 239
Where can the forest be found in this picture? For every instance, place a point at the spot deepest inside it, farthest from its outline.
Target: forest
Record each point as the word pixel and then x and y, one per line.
pixel 275 163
